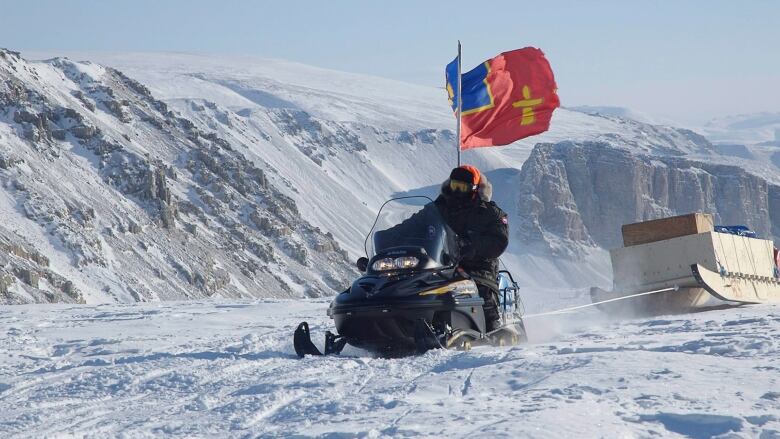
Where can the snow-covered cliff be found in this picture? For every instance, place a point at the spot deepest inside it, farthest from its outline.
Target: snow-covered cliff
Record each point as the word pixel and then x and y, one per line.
pixel 574 195
pixel 107 194
pixel 246 177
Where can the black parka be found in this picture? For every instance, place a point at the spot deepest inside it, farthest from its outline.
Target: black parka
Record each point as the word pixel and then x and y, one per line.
pixel 481 224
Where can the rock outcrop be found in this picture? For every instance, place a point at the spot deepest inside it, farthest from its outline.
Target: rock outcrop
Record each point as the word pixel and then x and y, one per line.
pixel 143 204
pixel 576 195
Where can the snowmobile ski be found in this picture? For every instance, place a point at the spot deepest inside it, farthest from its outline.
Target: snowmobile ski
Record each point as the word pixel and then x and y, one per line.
pixel 334 344
pixel 302 341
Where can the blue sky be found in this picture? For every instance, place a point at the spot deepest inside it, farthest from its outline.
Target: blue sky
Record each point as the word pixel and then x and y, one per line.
pixel 688 60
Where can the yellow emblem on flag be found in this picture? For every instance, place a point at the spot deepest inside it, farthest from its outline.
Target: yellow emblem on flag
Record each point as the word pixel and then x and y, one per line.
pixel 527 104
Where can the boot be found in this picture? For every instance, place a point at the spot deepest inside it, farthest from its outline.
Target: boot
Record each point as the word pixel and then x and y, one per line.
pixel 492 319
pixel 490 308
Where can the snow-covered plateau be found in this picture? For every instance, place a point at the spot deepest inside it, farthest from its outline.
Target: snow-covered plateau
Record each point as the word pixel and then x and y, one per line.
pixel 227 369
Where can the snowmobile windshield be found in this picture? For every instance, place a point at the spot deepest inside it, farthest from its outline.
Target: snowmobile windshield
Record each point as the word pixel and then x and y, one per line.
pixel 412 222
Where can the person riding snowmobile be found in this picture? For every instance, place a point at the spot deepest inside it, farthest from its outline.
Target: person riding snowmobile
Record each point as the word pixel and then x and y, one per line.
pixel 411 298
pixel 482 229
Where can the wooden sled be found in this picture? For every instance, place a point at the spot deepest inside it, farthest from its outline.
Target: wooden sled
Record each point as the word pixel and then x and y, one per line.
pixel 705 270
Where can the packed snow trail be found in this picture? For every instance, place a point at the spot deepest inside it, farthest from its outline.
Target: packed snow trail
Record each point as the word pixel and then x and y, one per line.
pixel 219 369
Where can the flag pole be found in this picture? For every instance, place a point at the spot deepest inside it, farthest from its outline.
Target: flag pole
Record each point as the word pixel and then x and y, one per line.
pixel 460 104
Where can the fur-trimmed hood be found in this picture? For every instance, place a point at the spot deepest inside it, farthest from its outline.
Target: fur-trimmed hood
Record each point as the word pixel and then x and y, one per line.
pixel 485 188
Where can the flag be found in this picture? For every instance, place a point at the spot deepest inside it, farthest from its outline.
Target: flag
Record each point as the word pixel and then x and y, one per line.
pixel 504 99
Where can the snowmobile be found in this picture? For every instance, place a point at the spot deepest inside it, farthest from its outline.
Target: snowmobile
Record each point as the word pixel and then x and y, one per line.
pixel 413 296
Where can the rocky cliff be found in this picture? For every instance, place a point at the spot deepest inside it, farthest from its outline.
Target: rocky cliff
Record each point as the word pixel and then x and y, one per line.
pixel 575 195
pixel 107 194
pixel 248 177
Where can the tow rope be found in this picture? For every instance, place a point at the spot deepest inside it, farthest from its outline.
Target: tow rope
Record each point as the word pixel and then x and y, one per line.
pixel 574 308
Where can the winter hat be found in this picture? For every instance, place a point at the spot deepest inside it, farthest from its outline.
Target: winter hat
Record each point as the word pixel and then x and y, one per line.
pixel 466 173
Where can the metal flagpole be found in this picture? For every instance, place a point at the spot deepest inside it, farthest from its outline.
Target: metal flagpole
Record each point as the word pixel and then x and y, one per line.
pixel 460 104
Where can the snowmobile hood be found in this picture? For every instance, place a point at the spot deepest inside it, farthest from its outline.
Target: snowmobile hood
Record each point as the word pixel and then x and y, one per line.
pixel 394 286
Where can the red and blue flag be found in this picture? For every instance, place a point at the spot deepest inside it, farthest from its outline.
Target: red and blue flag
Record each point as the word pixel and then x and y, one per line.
pixel 504 99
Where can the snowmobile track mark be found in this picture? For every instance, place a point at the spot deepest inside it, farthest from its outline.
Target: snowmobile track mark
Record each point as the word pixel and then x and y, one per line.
pixel 285 400
pixel 464 390
pixel 366 381
pixel 392 428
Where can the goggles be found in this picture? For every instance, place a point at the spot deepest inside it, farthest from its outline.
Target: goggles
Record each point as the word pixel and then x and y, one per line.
pixel 461 186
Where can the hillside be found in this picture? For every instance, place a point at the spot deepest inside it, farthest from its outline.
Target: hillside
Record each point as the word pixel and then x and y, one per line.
pixel 108 195
pixel 354 141
pixel 241 177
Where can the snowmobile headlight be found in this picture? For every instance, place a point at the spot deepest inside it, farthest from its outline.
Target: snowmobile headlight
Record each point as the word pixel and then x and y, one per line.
pixel 406 262
pixel 383 264
pixel 395 264
pixel 460 287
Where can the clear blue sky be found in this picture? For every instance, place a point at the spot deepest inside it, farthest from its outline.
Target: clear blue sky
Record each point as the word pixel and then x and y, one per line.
pixel 689 60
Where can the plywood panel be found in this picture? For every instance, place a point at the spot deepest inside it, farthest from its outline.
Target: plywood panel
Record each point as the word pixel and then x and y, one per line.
pixel 739 254
pixel 661 263
pixel 668 262
pixel 666 228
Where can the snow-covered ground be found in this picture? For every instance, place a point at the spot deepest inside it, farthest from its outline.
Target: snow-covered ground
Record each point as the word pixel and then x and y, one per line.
pixel 227 369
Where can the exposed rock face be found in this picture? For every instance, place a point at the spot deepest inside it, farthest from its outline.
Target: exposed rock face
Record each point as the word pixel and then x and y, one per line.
pixel 143 204
pixel 25 275
pixel 575 195
pixel 315 138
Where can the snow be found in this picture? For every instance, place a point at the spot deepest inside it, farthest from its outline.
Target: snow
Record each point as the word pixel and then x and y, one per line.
pixel 622 112
pixel 58 181
pixel 339 182
pixel 745 128
pixel 227 369
pixel 342 194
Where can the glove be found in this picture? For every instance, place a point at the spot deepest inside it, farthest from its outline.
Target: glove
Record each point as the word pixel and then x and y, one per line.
pixel 466 249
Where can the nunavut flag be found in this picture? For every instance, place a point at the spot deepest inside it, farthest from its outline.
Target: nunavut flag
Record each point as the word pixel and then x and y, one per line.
pixel 504 99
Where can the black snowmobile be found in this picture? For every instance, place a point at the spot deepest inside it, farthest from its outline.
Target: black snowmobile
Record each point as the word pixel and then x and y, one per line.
pixel 413 297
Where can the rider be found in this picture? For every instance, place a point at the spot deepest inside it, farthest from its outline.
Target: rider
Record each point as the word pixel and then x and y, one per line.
pixel 482 230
